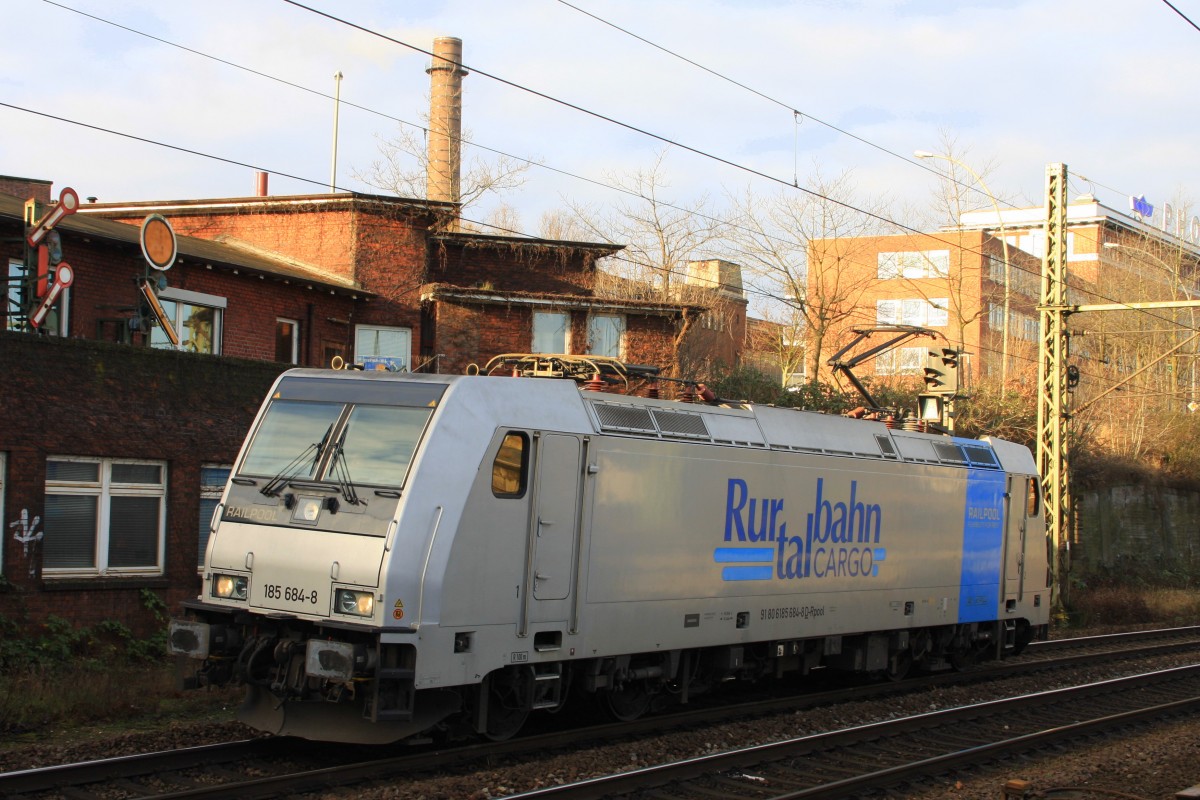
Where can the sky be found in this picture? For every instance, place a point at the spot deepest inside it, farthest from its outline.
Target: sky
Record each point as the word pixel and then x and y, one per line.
pixel 128 100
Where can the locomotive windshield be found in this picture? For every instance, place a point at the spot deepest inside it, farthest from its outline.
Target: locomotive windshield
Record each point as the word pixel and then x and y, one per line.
pixel 307 436
pixel 285 432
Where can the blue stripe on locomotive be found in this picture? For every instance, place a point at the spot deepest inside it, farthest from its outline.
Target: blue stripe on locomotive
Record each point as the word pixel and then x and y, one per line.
pixel 983 546
pixel 727 555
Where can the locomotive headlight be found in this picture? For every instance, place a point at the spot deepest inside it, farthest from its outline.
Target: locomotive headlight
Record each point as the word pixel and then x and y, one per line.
pixel 231 587
pixel 360 604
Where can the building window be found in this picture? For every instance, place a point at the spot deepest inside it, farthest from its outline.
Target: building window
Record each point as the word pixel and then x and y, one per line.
pixel 12 295
pixel 212 484
pixel 331 350
pixel 21 300
pixel 712 320
pixel 901 361
pixel 551 332
pixel 104 516
pixel 914 264
pixel 606 332
pixel 287 341
pixel 196 318
pixel 376 345
pixel 921 313
pixel 1032 242
pixel 937 312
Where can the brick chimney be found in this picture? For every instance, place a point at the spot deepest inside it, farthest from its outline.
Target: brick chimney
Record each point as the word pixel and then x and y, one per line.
pixel 445 120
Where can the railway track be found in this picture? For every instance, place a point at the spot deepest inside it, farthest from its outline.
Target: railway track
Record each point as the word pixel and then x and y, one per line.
pixel 883 755
pixel 283 767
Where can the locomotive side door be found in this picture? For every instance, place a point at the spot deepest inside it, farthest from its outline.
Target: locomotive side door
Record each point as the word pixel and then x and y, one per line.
pixel 553 528
pixel 1014 537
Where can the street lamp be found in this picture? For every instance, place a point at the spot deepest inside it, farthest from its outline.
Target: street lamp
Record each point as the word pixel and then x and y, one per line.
pixel 1003 244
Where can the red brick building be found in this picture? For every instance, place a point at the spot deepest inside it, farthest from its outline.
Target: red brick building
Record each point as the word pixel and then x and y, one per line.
pixel 115 440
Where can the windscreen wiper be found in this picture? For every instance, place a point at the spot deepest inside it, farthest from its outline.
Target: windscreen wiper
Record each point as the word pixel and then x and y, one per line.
pixel 341 471
pixel 271 489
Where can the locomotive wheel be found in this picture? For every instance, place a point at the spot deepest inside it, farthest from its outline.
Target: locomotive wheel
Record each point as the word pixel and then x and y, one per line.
pixel 509 698
pixel 627 703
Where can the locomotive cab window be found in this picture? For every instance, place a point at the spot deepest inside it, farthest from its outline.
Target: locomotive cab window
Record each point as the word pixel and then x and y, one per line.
pixel 1033 504
pixel 320 441
pixel 511 466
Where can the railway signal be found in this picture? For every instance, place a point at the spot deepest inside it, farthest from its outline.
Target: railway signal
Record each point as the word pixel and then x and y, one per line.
pixel 64 277
pixel 68 203
pixel 941 371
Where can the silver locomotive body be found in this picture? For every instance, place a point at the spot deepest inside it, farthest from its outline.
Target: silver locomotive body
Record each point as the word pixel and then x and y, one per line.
pixel 395 554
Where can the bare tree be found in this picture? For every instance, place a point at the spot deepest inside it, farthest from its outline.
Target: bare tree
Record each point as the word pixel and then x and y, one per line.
pixel 660 235
pixel 775 343
pixel 977 280
pixel 561 225
pixel 778 238
pixel 404 164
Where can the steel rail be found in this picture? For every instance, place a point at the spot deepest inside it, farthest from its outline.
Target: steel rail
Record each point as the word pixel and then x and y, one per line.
pixel 724 767
pixel 127 767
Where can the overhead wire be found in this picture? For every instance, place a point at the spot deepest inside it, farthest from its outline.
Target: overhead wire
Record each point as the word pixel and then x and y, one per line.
pixel 519 158
pixel 1181 14
pixel 627 126
pixel 201 154
pixel 788 106
pixel 523 159
pixel 522 88
pixel 795 112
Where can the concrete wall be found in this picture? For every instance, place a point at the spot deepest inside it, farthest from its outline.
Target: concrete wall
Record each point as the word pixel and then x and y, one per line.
pixel 1144 528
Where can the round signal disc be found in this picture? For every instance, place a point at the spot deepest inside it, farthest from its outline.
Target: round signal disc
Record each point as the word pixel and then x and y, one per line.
pixel 158 242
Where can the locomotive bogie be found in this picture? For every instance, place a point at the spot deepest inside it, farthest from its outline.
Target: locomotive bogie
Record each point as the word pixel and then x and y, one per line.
pixel 492 546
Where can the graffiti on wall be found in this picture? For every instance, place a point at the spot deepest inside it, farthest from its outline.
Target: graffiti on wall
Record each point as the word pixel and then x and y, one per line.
pixel 28 535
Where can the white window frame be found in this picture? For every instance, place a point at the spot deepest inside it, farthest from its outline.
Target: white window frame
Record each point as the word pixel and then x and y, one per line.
pixel 617 323
pixel 887 312
pixel 546 316
pixel 367 345
pixel 901 361
pixel 209 491
pixel 937 312
pixel 934 313
pixel 913 264
pixel 187 297
pixel 295 356
pixel 104 490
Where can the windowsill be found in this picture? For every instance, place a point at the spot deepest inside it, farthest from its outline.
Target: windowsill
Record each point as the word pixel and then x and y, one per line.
pixel 78 582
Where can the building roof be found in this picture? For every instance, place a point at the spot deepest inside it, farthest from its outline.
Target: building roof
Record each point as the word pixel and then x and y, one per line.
pixel 228 255
pixel 485 240
pixel 458 294
pixel 1084 210
pixel 223 205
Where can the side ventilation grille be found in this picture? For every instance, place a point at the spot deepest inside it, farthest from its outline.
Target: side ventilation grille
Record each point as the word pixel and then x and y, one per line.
pixel 653 422
pixel 624 418
pixel 673 423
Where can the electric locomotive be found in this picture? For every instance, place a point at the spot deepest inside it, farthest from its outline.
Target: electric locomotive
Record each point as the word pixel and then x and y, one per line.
pixel 401 554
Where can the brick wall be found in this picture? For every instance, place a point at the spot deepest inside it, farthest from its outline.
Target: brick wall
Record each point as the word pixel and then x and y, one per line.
pixel 26 188
pixel 87 398
pixel 382 246
pixel 515 267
